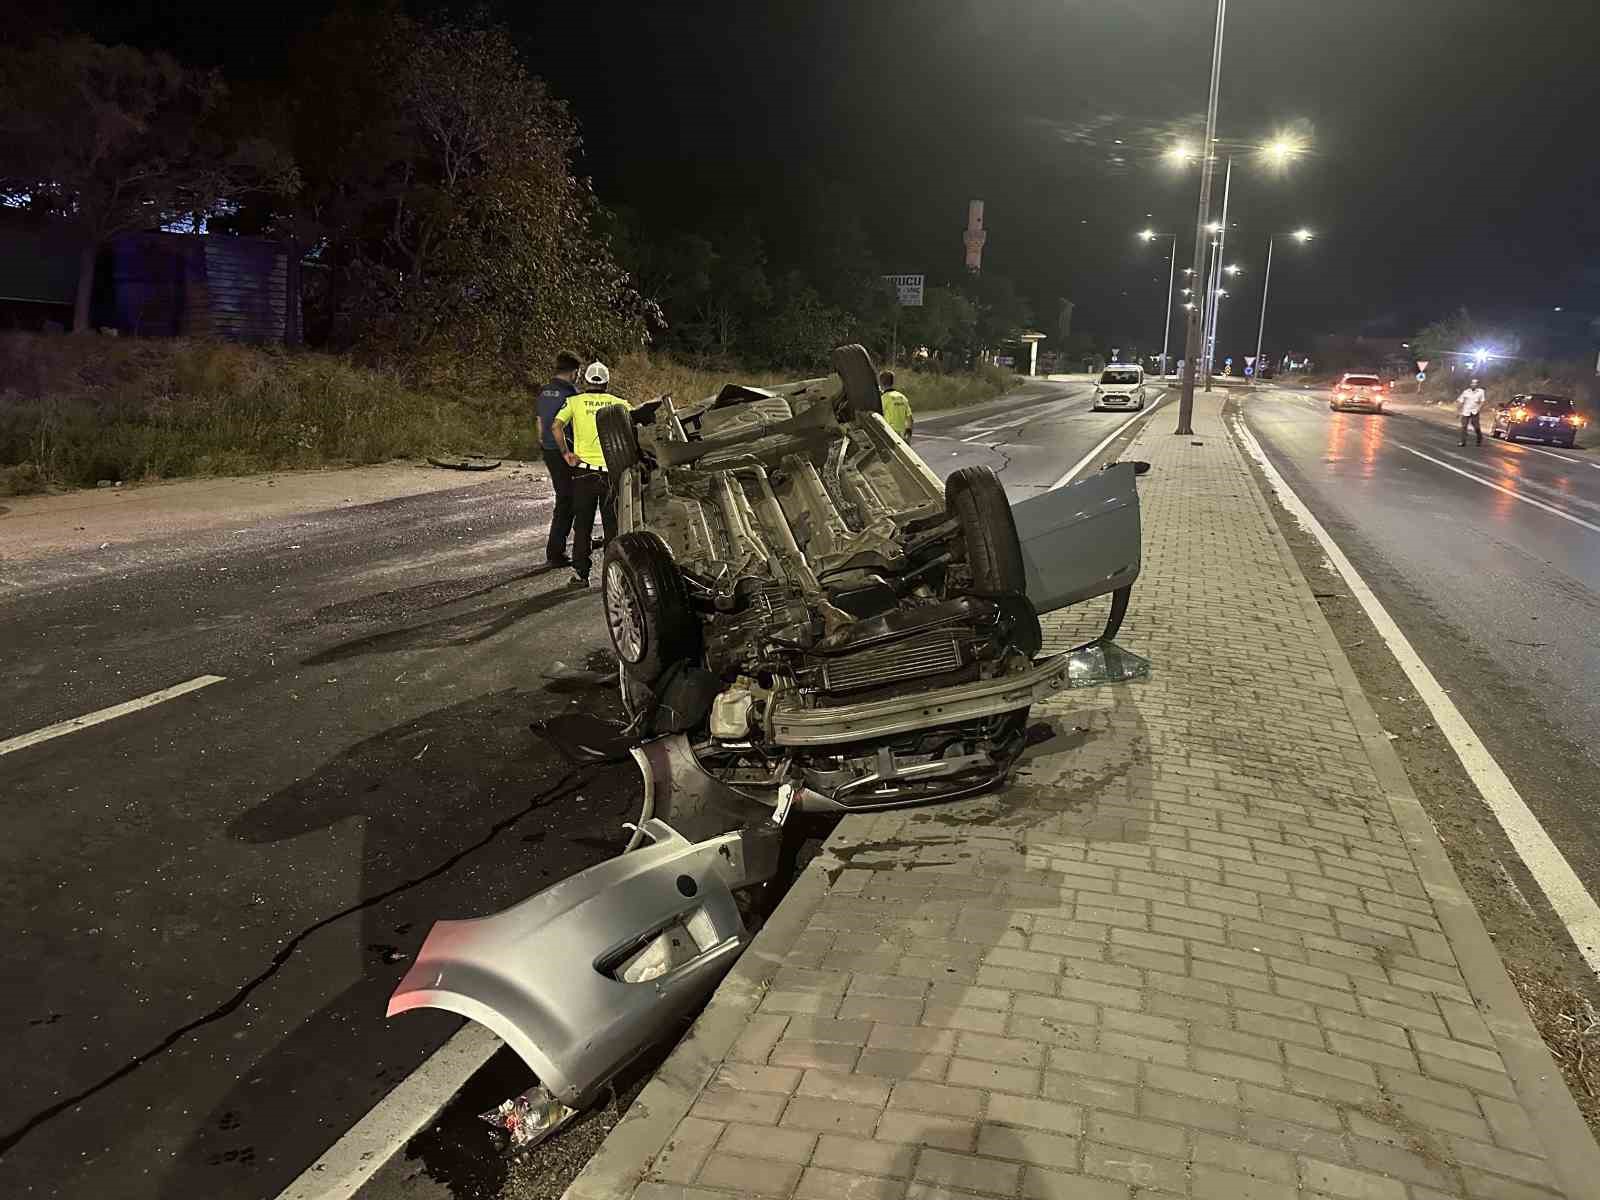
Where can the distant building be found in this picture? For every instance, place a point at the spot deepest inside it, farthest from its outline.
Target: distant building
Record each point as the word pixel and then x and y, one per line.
pixel 975 236
pixel 153 284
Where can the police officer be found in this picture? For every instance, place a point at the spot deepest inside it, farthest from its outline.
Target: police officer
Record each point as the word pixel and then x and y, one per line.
pixel 553 397
pixel 591 486
pixel 896 408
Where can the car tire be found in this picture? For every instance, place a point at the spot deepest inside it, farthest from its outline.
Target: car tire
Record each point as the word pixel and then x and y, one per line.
pixel 861 391
pixel 619 443
pixel 975 497
pixel 647 606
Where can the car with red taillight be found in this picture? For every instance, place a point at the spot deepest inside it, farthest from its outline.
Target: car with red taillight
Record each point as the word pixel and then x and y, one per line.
pixel 1536 416
pixel 1362 392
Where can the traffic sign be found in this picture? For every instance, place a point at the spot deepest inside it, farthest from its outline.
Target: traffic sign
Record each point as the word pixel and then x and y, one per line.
pixel 1422 377
pixel 908 289
pixel 1249 371
pixel 1422 364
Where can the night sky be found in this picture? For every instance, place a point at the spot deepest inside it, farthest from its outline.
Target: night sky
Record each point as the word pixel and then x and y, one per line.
pixel 1455 151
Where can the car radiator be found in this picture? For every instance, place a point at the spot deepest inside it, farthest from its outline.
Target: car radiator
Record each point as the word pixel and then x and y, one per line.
pixel 930 653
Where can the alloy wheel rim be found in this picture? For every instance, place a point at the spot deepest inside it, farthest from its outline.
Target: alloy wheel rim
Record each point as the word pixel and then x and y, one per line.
pixel 624 616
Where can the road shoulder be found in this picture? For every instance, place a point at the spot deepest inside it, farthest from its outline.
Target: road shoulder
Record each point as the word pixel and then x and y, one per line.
pixel 35 527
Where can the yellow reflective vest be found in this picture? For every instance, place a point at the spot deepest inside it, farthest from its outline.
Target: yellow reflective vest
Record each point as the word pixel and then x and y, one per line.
pixel 578 416
pixel 897 411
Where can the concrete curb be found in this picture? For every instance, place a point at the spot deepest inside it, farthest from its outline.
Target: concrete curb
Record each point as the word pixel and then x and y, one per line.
pixel 1574 1155
pixel 626 1155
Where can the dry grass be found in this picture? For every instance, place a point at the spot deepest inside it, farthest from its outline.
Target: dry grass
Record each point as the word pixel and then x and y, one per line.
pixel 76 410
pixel 930 391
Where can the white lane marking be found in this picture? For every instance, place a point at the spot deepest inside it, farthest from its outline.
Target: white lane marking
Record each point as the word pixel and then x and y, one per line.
pixel 1088 458
pixel 1551 453
pixel 396 1119
pixel 61 728
pixel 1549 867
pixel 1513 493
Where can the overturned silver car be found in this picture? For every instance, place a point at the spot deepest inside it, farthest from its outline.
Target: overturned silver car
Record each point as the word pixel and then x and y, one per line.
pixel 795 592
pixel 805 618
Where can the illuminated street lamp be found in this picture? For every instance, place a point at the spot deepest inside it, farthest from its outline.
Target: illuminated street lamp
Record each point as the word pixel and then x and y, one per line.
pixel 1233 268
pixel 1282 150
pixel 1302 236
pixel 1150 235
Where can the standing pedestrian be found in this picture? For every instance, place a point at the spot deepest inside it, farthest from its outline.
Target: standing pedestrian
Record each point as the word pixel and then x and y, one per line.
pixel 553 397
pixel 1468 405
pixel 591 485
pixel 896 408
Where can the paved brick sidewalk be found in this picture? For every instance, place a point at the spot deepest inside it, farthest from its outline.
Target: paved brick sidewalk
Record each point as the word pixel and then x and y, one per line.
pixel 1197 950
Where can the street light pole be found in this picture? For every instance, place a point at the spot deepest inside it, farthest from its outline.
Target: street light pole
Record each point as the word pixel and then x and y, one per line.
pixel 1172 278
pixel 1151 235
pixel 1261 329
pixel 1202 218
pixel 1216 274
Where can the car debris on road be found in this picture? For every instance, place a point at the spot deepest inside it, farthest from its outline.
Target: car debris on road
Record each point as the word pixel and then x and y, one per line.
pixel 806 619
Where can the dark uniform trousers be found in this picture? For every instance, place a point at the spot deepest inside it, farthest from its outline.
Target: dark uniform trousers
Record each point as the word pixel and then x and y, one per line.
pixel 591 491
pixel 555 549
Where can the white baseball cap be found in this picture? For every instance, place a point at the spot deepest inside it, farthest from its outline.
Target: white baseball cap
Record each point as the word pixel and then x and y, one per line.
pixel 597 374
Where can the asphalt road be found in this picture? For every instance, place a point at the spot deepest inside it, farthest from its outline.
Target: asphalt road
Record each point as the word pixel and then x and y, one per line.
pixel 1489 560
pixel 208 901
pixel 1030 440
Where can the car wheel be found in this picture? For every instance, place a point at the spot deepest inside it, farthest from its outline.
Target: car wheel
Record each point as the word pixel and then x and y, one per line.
pixel 976 498
pixel 646 605
pixel 861 391
pixel 619 443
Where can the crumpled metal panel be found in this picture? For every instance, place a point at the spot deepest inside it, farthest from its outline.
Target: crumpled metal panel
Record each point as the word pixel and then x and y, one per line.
pixel 584 976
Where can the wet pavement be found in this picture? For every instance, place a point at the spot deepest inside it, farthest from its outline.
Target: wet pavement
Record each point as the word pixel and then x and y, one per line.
pixel 1488 558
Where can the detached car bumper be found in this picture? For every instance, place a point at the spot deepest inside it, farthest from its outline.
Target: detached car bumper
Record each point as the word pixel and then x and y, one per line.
pixel 582 977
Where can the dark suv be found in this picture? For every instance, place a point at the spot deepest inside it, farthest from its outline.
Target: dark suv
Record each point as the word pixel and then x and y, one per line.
pixel 1551 419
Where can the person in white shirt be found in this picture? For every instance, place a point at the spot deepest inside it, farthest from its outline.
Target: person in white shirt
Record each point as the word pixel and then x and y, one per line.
pixel 1468 405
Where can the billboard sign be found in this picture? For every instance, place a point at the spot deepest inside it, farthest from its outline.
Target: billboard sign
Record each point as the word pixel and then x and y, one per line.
pixel 908 289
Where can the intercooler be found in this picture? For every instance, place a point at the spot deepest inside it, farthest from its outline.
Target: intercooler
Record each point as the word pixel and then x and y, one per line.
pixel 930 653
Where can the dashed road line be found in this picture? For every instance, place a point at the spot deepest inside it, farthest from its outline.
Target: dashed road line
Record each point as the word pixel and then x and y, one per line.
pixel 62 728
pixel 1550 869
pixel 1512 492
